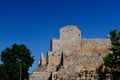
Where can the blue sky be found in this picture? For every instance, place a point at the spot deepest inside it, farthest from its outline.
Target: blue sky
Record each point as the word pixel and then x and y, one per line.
pixel 35 22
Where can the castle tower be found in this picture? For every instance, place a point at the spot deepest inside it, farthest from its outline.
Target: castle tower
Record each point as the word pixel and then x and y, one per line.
pixel 70 32
pixel 70 39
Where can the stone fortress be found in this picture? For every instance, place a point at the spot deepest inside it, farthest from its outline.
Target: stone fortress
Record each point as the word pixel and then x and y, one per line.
pixel 71 56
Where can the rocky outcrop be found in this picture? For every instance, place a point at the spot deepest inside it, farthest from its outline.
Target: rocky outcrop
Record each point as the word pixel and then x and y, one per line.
pixel 71 57
pixel 90 62
pixel 75 73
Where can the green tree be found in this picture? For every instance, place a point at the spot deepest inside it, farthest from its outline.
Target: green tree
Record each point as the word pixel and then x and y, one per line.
pixel 16 60
pixel 3 75
pixel 113 59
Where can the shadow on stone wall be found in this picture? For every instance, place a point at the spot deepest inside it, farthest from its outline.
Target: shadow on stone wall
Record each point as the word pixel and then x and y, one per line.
pixel 50 77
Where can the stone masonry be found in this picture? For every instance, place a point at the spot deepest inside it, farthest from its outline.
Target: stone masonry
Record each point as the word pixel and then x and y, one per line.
pixel 72 54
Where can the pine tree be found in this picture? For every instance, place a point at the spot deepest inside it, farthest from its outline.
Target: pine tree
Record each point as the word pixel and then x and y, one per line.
pixel 113 59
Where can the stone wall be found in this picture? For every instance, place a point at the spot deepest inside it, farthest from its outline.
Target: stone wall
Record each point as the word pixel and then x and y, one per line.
pixel 54 59
pixel 95 46
pixel 89 62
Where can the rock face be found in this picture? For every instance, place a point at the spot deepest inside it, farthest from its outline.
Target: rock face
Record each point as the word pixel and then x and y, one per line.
pixel 72 57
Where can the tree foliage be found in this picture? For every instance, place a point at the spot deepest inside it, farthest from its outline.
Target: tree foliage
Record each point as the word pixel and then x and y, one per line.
pixel 113 58
pixel 16 58
pixel 3 75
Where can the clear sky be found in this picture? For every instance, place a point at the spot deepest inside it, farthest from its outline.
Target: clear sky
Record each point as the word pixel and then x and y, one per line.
pixel 35 22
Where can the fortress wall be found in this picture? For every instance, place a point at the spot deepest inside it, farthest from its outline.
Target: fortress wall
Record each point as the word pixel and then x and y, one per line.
pixel 54 59
pixel 90 62
pixel 95 46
